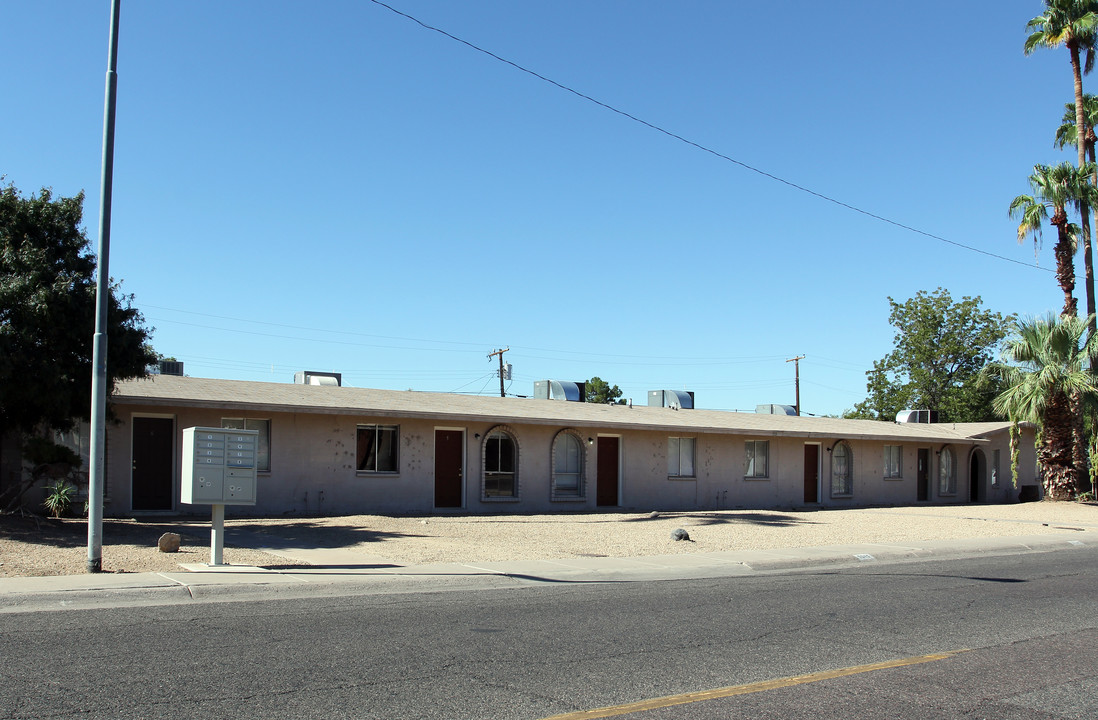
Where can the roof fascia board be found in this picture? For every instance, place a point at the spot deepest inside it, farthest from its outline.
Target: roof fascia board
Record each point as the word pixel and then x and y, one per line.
pixel 602 423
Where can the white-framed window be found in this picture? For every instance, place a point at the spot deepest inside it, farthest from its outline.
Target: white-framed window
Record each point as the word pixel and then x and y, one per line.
pixel 995 468
pixel 894 461
pixel 947 473
pixel 500 479
pixel 756 459
pixel 263 451
pixel 568 463
pixel 680 457
pixel 376 449
pixel 842 471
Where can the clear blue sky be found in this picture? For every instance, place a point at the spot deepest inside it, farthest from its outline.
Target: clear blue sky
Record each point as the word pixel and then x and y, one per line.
pixel 330 186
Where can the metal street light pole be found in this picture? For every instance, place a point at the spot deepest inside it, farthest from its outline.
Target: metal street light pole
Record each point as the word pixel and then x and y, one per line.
pixel 96 464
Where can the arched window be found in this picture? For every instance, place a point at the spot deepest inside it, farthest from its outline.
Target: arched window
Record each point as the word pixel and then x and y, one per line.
pixel 568 464
pixel 842 470
pixel 947 473
pixel 500 465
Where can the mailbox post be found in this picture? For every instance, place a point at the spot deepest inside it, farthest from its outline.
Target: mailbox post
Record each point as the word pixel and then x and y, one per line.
pixel 219 469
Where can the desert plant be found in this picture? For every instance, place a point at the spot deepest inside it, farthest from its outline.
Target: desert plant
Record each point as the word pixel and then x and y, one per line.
pixel 59 497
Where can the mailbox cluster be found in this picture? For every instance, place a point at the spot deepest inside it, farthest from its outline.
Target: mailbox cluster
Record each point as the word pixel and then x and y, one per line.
pixel 219 466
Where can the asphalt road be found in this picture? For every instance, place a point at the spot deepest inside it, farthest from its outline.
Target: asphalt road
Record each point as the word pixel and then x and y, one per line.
pixel 1026 625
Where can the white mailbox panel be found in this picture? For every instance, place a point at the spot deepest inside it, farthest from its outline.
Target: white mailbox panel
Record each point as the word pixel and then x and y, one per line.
pixel 219 466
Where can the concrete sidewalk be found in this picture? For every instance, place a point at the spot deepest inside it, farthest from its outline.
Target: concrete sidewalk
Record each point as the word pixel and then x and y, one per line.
pixel 342 572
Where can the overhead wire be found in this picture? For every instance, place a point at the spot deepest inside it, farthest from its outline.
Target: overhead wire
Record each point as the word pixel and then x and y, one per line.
pixel 586 357
pixel 703 148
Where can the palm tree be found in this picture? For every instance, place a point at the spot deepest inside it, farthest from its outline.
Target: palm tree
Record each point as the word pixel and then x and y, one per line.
pixel 1067 134
pixel 1073 24
pixel 1048 362
pixel 1055 188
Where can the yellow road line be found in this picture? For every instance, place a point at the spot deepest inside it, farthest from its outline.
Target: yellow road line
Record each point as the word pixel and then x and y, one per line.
pixel 685 698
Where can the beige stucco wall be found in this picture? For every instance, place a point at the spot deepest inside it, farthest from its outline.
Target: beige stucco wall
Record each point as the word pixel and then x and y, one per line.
pixel 1005 490
pixel 313 468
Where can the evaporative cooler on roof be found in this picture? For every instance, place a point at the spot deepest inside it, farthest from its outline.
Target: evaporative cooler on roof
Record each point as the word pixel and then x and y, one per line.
pixel 309 377
pixel 775 409
pixel 917 416
pixel 677 399
pixel 560 390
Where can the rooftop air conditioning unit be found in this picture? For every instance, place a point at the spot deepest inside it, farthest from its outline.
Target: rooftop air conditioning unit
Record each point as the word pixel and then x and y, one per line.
pixel 171 367
pixel 308 377
pixel 560 390
pixel 917 416
pixel 775 409
pixel 675 399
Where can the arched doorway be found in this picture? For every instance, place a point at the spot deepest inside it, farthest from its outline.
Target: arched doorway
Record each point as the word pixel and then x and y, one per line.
pixel 977 471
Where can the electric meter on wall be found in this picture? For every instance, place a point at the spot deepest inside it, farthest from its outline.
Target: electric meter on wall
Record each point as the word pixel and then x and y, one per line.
pixel 219 466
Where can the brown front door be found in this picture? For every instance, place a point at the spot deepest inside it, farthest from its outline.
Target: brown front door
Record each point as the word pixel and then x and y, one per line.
pixel 811 472
pixel 923 478
pixel 606 494
pixel 448 467
pixel 151 476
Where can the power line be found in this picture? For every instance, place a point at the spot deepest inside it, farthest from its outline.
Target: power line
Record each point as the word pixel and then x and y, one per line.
pixel 586 357
pixel 703 148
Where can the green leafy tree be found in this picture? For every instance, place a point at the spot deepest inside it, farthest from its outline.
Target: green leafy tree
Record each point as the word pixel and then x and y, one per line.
pixel 47 316
pixel 1048 363
pixel 599 391
pixel 939 351
pixel 1072 24
pixel 1055 188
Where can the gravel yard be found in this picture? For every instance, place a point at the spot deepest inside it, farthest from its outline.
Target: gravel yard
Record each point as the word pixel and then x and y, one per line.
pixel 36 546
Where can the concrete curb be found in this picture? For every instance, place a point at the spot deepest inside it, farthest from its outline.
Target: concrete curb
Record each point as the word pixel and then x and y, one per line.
pixel 334 574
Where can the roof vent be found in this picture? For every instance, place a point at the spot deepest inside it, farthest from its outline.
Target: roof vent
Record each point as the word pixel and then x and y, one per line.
pixel 171 367
pixel 775 409
pixel 560 390
pixel 674 399
pixel 917 416
pixel 308 377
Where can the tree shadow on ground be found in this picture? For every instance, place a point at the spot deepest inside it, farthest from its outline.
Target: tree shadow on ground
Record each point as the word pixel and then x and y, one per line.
pixel 740 517
pixel 762 519
pixel 311 534
pixel 73 532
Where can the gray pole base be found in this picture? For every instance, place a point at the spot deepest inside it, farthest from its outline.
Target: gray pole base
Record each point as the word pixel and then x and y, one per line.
pixel 217 535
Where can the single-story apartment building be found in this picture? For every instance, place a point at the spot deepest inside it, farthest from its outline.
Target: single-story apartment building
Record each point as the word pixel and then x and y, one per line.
pixel 328 449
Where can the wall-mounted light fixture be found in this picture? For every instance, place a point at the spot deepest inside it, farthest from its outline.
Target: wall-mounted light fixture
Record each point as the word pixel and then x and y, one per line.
pixel 476 436
pixel 590 441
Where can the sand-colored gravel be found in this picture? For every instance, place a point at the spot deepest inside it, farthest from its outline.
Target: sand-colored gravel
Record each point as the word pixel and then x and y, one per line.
pixel 35 546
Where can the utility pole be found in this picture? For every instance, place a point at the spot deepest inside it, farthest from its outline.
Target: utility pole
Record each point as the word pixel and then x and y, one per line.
pixel 97 454
pixel 797 374
pixel 502 393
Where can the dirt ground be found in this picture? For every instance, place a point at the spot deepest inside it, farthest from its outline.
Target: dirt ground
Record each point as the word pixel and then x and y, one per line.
pixel 34 546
